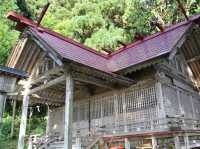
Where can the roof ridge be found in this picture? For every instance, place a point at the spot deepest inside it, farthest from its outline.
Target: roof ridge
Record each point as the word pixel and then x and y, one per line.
pixel 154 35
pixel 72 41
pixel 21 19
pixel 24 22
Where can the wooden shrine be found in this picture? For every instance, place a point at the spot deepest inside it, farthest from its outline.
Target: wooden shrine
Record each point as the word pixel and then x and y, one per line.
pixel 145 95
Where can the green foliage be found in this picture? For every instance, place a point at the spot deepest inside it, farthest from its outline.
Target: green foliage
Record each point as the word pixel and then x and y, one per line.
pixel 94 22
pixel 106 38
pixel 36 125
pixel 23 8
pixel 7 35
pixel 99 24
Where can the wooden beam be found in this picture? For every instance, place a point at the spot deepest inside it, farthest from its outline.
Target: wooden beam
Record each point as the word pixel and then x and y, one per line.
pixel 92 80
pixel 44 101
pixel 48 84
pixel 196 58
pixel 68 111
pixel 46 75
pixel 43 45
pixel 106 77
pixel 23 123
pixel 50 99
pixel 41 99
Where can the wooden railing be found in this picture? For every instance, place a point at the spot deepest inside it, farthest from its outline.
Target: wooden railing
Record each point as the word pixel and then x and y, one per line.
pixel 132 109
pixel 137 110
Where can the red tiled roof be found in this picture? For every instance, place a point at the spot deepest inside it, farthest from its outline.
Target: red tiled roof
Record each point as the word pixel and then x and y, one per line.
pixel 73 52
pixel 151 47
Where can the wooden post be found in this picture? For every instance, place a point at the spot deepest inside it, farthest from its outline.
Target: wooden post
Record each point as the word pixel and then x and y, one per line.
pixel 116 112
pixel 13 118
pixel 22 130
pixel 186 140
pixel 160 99
pixel 2 106
pixel 179 100
pixel 177 142
pixel 68 111
pixel 193 110
pixel 48 121
pixel 89 116
pixel 127 143
pixel 124 112
pixel 154 142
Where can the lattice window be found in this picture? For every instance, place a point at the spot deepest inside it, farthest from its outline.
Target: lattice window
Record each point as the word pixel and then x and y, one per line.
pixel 140 99
pixel 130 107
pixel 108 106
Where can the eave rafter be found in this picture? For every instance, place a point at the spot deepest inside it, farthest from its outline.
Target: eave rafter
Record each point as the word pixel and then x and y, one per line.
pixel 196 58
pixel 45 86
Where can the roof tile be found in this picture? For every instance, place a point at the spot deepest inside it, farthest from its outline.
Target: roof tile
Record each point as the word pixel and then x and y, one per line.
pixel 151 47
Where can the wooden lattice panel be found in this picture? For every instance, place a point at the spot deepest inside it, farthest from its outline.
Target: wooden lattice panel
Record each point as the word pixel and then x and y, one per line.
pixel 126 110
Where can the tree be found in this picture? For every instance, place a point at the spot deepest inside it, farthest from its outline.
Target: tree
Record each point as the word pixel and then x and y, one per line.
pixel 99 24
pixel 8 35
pixel 23 8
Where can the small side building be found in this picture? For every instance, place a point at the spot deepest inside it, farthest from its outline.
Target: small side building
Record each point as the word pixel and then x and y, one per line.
pixel 8 78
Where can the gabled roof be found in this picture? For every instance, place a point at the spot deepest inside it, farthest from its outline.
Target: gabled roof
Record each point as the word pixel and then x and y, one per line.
pixel 151 47
pixel 13 72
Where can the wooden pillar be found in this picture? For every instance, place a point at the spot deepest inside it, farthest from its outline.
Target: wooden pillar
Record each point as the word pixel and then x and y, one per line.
pixel 177 142
pixel 186 140
pixel 160 100
pixel 13 118
pixel 193 109
pixel 23 123
pixel 154 142
pixel 124 112
pixel 2 106
pixel 127 143
pixel 68 111
pixel 48 121
pixel 179 101
pixel 116 114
